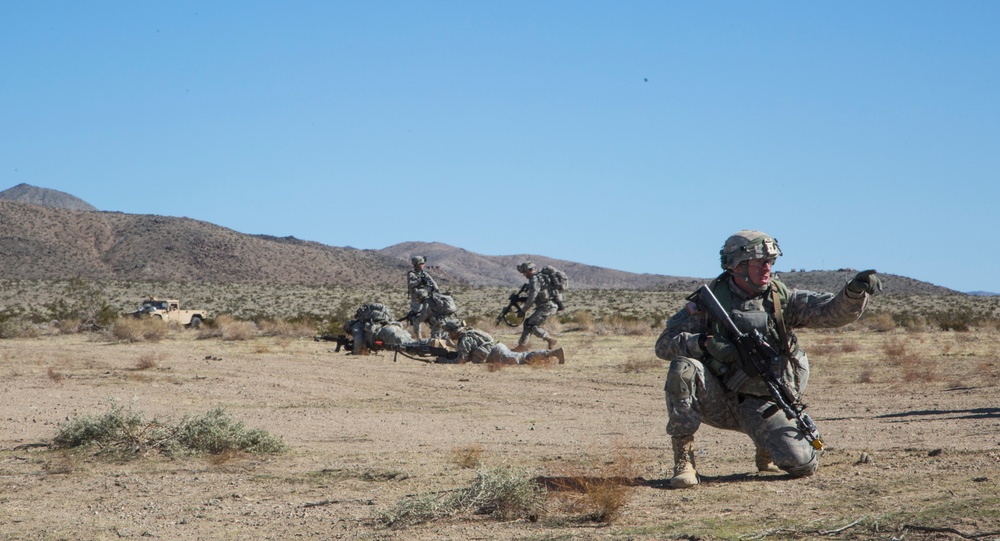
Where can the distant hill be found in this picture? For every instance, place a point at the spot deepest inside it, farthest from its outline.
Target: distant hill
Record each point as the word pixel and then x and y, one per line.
pixel 500 270
pixel 39 242
pixel 26 193
pixel 45 240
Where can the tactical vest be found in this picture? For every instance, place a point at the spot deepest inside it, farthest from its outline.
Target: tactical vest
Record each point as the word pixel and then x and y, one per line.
pixel 755 313
pixel 483 345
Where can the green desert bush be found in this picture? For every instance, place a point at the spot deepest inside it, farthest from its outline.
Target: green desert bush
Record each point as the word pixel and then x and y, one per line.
pixel 126 433
pixel 503 493
pixel 17 328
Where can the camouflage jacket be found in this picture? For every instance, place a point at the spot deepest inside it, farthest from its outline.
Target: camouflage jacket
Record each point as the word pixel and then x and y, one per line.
pixel 419 285
pixel 474 345
pixel 538 291
pixel 686 330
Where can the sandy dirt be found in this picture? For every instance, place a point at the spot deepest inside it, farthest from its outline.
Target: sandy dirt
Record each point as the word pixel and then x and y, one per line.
pixel 911 422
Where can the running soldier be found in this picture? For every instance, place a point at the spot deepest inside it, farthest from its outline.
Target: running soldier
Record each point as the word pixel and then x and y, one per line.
pixel 539 296
pixel 707 382
pixel 479 347
pixel 419 285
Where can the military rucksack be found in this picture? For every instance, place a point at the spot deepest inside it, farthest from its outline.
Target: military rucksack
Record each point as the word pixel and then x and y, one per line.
pixel 555 278
pixel 443 304
pixel 374 312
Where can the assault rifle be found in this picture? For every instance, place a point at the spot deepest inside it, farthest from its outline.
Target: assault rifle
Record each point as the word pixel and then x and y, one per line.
pixel 418 350
pixel 757 354
pixel 514 302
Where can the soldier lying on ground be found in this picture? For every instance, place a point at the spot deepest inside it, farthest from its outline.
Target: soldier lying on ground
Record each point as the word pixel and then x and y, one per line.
pixel 479 347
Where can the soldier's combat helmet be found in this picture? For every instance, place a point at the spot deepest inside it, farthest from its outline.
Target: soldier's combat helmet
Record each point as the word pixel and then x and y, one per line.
pixel 525 267
pixel 746 245
pixel 453 325
pixel 417 260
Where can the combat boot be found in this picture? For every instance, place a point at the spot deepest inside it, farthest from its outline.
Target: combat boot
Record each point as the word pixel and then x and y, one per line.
pixel 551 341
pixel 558 353
pixel 763 460
pixel 685 475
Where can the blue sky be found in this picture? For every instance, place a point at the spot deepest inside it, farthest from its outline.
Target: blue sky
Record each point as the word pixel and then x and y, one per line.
pixel 630 135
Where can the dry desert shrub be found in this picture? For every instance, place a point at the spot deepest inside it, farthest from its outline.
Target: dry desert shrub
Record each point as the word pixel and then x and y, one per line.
pixel 880 322
pixel 284 328
pixel 599 491
pixel 139 330
pixel 503 493
pixel 230 329
pixel 911 367
pixel 125 433
pixel 16 328
pixel 468 457
pixel 68 326
pixel 149 359
pixel 623 326
pixel 582 320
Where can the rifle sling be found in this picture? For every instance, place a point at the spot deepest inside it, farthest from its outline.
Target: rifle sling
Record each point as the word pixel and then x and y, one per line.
pixel 779 322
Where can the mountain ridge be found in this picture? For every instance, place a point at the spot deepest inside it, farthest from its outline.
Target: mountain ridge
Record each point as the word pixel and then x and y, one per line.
pixel 49 241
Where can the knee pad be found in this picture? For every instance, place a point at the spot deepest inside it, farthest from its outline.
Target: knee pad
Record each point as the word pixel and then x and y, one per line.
pixel 681 379
pixel 805 470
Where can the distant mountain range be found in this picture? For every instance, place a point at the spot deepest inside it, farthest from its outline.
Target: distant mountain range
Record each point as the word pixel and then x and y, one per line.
pixel 49 234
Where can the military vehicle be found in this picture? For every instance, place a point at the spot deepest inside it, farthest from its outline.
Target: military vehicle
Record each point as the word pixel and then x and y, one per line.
pixel 169 310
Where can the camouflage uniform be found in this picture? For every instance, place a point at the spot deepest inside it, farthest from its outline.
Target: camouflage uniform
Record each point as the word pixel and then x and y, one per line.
pixel 705 382
pixel 473 345
pixel 373 325
pixel 539 296
pixel 419 285
pixel 437 312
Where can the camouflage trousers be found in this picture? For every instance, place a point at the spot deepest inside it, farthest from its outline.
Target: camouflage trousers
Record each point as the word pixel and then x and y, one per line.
pixel 421 313
pixel 532 323
pixel 695 396
pixel 502 354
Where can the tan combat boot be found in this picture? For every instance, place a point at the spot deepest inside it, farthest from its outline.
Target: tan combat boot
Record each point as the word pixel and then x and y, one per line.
pixel 551 341
pixel 685 475
pixel 763 460
pixel 558 353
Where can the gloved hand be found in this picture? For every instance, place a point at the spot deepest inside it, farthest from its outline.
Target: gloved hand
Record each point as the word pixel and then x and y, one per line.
pixel 520 313
pixel 865 282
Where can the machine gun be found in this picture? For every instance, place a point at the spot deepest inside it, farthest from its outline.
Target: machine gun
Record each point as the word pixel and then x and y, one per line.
pixel 756 353
pixel 514 303
pixel 342 340
pixel 422 350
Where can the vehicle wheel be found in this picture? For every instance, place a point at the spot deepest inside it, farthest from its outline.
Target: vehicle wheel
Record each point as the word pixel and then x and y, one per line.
pixel 195 322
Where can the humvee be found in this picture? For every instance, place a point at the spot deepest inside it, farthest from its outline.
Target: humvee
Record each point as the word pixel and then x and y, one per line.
pixel 170 310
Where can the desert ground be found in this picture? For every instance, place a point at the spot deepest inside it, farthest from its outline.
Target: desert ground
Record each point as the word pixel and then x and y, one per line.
pixel 910 419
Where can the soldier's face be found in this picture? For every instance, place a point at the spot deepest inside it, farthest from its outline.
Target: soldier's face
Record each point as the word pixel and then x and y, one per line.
pixel 759 271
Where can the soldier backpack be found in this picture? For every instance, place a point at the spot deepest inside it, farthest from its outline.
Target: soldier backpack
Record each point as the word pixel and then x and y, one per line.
pixel 374 312
pixel 443 304
pixel 557 279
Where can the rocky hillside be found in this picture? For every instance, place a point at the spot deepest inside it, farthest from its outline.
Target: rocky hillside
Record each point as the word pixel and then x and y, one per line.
pixel 26 193
pixel 39 242
pixel 43 239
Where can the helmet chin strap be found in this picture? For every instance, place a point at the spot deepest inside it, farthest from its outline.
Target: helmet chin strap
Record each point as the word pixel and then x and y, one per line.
pixel 745 278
